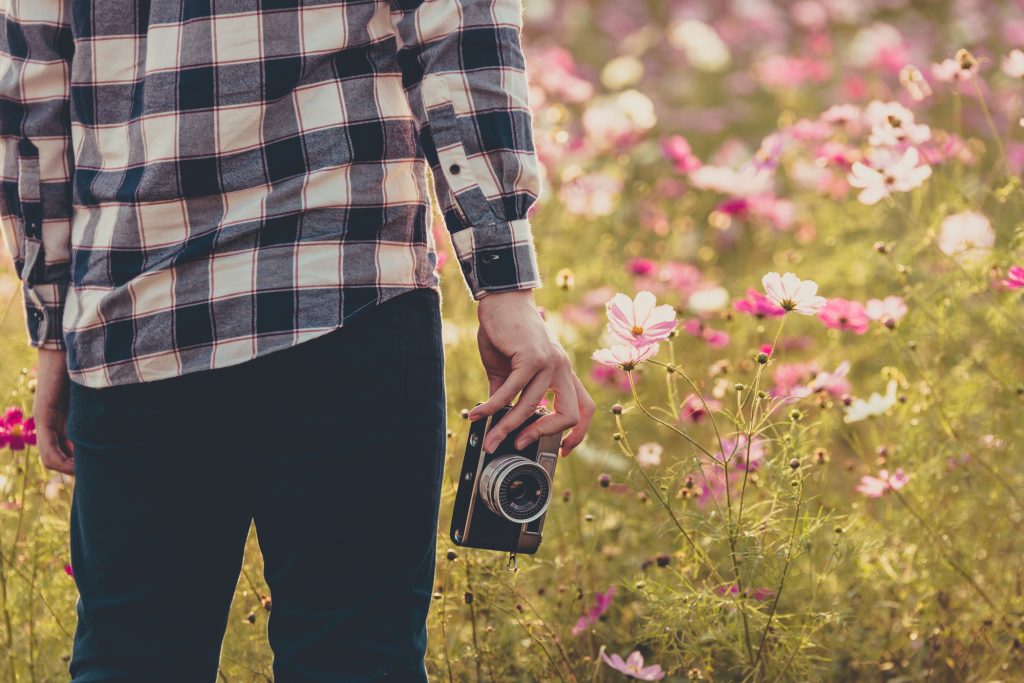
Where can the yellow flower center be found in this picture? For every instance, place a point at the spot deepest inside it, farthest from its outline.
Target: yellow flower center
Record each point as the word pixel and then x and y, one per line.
pixel 15 430
pixel 637 330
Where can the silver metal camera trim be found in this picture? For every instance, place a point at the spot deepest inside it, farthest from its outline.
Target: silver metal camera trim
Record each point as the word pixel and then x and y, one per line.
pixel 493 476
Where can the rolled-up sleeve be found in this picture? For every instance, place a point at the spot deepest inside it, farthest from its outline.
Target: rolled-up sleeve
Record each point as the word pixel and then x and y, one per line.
pixel 465 77
pixel 36 162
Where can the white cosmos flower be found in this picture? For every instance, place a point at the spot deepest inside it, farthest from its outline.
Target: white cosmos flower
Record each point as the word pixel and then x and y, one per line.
pixel 966 236
pixel 1013 64
pixel 875 406
pixel 649 454
pixel 902 175
pixel 793 294
pixel 625 356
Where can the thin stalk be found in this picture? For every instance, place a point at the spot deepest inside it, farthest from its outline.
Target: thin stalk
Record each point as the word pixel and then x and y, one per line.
pixel 782 578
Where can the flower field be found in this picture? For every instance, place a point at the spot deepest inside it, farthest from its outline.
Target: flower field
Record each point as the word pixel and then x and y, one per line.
pixel 784 244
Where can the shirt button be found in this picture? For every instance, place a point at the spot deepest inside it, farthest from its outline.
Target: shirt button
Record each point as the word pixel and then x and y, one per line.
pixel 455 169
pixel 37 314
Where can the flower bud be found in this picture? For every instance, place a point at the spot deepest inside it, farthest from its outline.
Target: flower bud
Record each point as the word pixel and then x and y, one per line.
pixel 739 387
pixel 794 464
pixel 663 560
pixel 762 358
pixel 464 413
pixel 617 409
pixel 604 480
pixel 566 496
pixel 881 247
pixel 565 279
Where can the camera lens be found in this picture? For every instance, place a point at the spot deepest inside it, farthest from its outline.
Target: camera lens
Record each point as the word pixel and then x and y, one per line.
pixel 516 488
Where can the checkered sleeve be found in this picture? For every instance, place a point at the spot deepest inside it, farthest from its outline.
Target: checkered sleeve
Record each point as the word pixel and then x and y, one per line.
pixel 35 157
pixel 465 76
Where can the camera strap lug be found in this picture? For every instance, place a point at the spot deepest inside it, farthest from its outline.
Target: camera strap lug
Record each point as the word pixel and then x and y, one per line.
pixel 513 565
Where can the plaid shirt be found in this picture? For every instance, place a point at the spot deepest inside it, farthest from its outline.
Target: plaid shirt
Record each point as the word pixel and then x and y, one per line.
pixel 189 184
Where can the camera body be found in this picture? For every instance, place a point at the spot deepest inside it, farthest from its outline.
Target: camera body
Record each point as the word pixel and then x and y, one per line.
pixel 503 496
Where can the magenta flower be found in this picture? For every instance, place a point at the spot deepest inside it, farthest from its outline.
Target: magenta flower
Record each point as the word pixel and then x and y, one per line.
pixel 876 487
pixel 759 306
pixel 1014 278
pixel 887 311
pixel 716 339
pixel 602 601
pixel 17 432
pixel 677 150
pixel 835 382
pixel 693 408
pixel 842 314
pixel 640 321
pixel 633 666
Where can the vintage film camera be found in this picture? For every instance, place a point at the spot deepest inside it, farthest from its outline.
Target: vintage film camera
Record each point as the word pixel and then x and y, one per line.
pixel 503 496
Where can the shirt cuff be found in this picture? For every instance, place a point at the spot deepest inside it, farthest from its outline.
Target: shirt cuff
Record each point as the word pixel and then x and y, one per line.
pixel 44 314
pixel 497 258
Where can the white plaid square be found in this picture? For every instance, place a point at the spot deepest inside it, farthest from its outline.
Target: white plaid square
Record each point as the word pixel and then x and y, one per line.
pixel 160 137
pixel 323 28
pixel 153 292
pixel 319 106
pixel 239 128
pixel 232 274
pixel 236 38
pixel 163 47
pixel 163 223
pixel 114 59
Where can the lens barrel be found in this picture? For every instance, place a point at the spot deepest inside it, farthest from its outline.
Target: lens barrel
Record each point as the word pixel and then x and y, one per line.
pixel 515 488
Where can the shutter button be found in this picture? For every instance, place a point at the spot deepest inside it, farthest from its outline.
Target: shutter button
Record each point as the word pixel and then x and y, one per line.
pixel 455 169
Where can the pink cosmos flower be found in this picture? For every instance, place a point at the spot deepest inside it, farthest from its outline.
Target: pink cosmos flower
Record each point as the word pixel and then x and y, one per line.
pixel 842 314
pixel 625 356
pixel 758 305
pixel 633 666
pixel 693 408
pixel 736 452
pixel 640 321
pixel 17 431
pixel 1014 278
pixel 950 70
pixel 641 266
pixel 887 311
pixel 876 487
pixel 678 151
pixel 611 376
pixel 602 601
pixel 716 339
pixel 893 124
pixel 793 294
pixel 901 175
pixel 759 594
pixel 835 382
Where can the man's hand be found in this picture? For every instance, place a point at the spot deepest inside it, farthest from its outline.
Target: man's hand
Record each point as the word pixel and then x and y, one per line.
pixel 521 355
pixel 51 412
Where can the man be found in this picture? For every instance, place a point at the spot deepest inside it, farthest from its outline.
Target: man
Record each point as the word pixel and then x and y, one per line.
pixel 220 212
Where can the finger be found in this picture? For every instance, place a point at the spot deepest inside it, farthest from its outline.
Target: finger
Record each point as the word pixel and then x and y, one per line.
pixel 531 397
pixel 503 395
pixel 587 411
pixel 566 412
pixel 494 383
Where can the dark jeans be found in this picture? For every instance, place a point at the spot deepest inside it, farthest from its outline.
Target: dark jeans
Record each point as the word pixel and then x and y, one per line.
pixel 334 448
